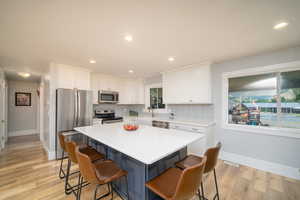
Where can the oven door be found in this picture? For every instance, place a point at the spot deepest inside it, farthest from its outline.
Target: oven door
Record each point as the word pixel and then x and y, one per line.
pixel 108 97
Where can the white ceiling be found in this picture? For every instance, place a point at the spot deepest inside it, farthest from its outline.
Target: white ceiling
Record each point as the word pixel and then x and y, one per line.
pixel 36 32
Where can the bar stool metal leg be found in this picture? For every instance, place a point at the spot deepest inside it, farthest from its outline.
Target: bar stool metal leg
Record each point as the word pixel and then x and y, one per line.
pixel 217 195
pixel 95 193
pixel 216 183
pixel 80 188
pixel 110 190
pixel 62 174
pixel 67 178
pixel 69 188
pixel 199 194
pixel 202 190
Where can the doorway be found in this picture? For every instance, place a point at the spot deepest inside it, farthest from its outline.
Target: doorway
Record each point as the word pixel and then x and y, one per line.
pixel 23 104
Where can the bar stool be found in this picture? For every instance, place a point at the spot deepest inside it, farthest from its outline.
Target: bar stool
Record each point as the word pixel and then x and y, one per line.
pixel 212 159
pixel 99 173
pixel 176 184
pixel 70 148
pixel 62 137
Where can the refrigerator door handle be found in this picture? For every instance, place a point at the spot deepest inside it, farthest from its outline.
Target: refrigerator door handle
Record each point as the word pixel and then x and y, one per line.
pixel 79 109
pixel 76 109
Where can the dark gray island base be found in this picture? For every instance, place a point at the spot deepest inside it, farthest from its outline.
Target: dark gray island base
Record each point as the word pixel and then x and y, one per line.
pixel 138 172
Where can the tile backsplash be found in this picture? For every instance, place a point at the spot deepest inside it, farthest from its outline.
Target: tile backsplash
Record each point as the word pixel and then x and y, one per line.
pixel 193 112
pixel 182 112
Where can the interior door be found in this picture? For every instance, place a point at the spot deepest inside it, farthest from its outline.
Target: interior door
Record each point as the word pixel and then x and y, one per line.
pixel 85 108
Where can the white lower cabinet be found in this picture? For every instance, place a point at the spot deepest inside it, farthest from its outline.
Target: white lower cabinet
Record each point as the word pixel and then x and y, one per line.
pixel 198 147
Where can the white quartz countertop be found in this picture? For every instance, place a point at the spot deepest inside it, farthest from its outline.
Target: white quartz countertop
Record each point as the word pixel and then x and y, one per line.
pixel 181 121
pixel 147 144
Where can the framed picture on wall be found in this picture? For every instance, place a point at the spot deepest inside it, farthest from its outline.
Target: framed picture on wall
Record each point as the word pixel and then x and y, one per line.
pixel 22 99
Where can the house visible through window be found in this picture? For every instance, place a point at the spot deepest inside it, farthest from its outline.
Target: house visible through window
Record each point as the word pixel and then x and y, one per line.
pixel 267 100
pixel 156 98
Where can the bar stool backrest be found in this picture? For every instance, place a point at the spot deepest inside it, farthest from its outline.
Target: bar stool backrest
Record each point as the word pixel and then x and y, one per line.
pixel 212 155
pixel 190 181
pixel 86 167
pixel 70 148
pixel 62 140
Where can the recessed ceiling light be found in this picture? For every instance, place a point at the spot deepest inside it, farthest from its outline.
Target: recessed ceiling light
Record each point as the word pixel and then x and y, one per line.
pixel 24 74
pixel 92 61
pixel 171 59
pixel 128 38
pixel 280 25
pixel 130 71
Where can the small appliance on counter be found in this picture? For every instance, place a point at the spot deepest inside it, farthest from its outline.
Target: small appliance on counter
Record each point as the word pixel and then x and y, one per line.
pixel 106 117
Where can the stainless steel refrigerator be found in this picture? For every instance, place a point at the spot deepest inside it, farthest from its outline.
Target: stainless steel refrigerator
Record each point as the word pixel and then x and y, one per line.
pixel 74 108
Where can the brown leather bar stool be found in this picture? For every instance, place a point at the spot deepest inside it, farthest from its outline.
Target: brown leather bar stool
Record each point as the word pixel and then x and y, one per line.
pixel 176 184
pixel 70 148
pixel 99 173
pixel 62 137
pixel 212 159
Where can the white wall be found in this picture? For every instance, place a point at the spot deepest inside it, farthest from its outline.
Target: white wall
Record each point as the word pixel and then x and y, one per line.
pixel 280 151
pixel 3 126
pixel 46 113
pixel 22 120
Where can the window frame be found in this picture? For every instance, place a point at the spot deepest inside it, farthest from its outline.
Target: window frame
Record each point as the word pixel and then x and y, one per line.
pixel 278 131
pixel 147 98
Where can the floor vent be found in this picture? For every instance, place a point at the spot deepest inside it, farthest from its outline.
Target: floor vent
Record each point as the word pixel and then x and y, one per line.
pixel 231 163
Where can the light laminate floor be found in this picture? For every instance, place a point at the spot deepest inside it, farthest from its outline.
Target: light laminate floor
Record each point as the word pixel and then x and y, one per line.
pixel 26 174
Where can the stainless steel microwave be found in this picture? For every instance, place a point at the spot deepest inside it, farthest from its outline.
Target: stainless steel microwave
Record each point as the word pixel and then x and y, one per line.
pixel 108 96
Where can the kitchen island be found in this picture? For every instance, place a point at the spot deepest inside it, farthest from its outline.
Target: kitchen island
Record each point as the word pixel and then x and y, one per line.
pixel 144 153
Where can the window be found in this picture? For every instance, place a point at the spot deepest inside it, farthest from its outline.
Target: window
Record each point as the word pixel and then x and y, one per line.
pixel 156 98
pixel 264 99
pixel 290 99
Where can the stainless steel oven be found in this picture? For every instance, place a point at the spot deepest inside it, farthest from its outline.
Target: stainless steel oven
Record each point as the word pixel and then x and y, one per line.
pixel 108 96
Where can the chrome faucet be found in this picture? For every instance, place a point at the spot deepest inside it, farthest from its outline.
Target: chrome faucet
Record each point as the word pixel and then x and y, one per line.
pixel 152 111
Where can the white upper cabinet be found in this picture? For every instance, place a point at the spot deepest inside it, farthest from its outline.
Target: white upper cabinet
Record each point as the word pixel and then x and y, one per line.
pixel 131 91
pixel 70 77
pixel 95 83
pixel 189 85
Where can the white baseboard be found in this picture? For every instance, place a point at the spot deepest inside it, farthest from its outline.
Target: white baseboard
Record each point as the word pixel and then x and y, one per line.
pixel 50 154
pixel 275 168
pixel 23 132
